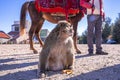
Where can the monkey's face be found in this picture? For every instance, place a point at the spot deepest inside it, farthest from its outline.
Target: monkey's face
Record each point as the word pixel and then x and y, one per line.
pixel 66 30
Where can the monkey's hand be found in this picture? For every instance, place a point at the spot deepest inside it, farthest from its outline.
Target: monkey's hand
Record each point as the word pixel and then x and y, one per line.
pixel 68 71
pixel 41 74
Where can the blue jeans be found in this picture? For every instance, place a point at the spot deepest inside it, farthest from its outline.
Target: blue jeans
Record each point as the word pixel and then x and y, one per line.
pixel 94 28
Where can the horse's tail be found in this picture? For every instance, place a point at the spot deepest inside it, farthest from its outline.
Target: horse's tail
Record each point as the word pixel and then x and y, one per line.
pixel 23 17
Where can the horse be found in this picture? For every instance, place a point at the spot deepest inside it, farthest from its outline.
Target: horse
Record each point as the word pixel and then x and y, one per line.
pixel 38 18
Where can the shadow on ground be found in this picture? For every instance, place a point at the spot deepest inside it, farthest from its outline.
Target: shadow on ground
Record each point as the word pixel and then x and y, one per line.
pixel 107 73
pixel 21 75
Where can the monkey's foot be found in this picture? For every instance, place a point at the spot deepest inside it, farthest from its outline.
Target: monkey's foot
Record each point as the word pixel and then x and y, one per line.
pixel 68 71
pixel 41 75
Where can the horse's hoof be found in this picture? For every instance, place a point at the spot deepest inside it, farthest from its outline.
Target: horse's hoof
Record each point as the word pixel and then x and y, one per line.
pixel 78 52
pixel 35 51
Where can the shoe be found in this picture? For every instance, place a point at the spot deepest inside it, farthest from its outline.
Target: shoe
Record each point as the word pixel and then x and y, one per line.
pixel 90 54
pixel 102 53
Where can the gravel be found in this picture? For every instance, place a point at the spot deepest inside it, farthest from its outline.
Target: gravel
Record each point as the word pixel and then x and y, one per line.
pixel 17 62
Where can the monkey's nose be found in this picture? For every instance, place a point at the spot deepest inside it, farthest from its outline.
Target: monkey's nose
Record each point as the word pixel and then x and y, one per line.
pixel 71 30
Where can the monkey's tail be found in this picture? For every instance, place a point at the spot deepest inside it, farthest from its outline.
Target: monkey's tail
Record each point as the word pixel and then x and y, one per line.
pixel 23 17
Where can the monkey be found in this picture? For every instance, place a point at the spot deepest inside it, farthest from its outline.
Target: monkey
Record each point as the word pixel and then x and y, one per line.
pixel 58 50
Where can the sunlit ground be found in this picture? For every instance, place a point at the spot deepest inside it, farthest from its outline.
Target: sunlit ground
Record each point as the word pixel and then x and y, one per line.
pixel 17 62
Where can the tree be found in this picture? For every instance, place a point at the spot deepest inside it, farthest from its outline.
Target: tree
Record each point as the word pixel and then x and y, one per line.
pixel 106 29
pixel 116 31
pixel 83 38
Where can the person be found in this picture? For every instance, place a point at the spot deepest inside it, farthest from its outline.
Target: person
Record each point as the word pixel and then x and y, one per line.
pixel 95 16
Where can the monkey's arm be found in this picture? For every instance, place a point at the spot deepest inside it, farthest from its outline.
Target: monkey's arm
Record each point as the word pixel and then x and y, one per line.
pixel 43 60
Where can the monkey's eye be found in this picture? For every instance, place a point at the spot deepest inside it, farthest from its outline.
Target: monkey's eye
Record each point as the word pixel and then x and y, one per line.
pixel 64 31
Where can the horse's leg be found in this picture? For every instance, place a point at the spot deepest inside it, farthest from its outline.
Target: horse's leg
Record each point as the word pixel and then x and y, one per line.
pixel 75 36
pixel 31 34
pixel 36 17
pixel 39 26
pixel 74 21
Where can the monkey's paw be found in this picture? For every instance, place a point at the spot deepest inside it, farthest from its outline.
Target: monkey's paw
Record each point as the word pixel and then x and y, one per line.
pixel 41 75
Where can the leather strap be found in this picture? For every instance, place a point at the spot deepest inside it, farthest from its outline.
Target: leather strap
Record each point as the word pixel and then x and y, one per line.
pixel 92 4
pixel 100 1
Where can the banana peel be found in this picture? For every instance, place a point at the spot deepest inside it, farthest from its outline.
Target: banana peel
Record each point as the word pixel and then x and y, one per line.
pixel 67 71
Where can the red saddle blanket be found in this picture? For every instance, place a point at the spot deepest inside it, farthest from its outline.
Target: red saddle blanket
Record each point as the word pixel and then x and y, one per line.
pixel 58 6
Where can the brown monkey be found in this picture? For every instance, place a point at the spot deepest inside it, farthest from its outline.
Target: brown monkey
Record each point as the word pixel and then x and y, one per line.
pixel 58 50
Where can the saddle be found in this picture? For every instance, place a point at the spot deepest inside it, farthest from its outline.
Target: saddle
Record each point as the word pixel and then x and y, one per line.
pixel 58 7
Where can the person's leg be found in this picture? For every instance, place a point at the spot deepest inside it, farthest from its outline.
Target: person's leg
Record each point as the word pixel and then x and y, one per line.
pixel 98 35
pixel 90 34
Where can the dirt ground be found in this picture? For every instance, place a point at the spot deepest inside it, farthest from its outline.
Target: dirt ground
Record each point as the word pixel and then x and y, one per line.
pixel 17 62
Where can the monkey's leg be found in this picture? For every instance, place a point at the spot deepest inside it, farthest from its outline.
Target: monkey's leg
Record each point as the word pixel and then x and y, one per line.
pixel 69 64
pixel 70 60
pixel 42 64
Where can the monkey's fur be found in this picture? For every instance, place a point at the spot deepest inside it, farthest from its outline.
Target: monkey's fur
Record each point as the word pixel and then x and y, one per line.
pixel 58 50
